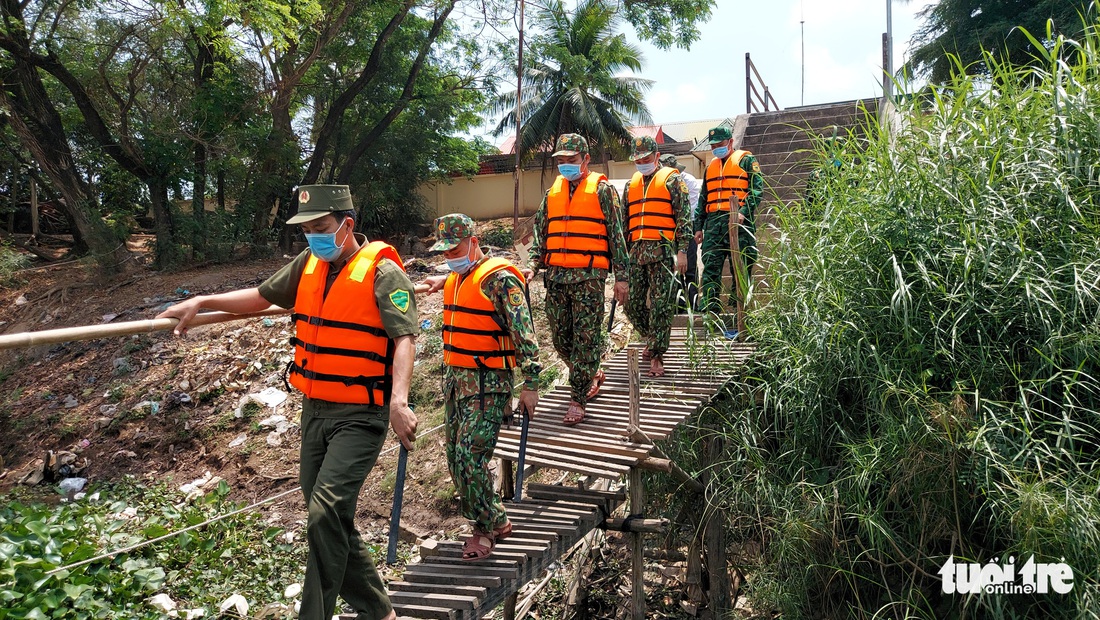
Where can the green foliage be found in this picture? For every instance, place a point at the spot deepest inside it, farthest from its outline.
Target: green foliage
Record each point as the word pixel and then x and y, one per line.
pixel 574 83
pixel 928 371
pixel 499 236
pixel 963 31
pixel 11 261
pixel 668 22
pixel 197 569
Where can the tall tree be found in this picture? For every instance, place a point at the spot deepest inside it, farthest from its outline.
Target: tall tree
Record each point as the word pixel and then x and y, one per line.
pixel 964 29
pixel 572 84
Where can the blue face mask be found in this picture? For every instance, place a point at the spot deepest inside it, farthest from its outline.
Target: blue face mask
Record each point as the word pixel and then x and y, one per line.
pixel 721 151
pixel 571 172
pixel 646 169
pixel 460 265
pixel 324 247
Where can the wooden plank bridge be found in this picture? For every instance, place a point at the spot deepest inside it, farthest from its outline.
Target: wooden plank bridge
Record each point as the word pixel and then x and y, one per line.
pixel 552 519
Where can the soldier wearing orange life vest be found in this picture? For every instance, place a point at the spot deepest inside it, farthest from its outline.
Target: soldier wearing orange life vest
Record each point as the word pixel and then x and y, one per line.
pixel 578 241
pixel 658 222
pixel 732 178
pixel 355 324
pixel 487 333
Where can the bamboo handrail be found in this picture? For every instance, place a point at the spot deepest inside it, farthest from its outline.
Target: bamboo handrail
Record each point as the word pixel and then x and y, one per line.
pixel 91 332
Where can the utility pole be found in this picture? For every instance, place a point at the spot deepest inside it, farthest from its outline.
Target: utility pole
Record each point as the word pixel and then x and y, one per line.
pixel 519 126
pixel 888 54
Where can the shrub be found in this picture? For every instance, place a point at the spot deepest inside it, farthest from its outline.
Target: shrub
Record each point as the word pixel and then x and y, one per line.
pixel 929 361
pixel 11 261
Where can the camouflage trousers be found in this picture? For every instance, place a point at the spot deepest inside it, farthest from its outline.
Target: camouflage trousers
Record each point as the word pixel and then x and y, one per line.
pixel 471 438
pixel 716 251
pixel 652 303
pixel 575 314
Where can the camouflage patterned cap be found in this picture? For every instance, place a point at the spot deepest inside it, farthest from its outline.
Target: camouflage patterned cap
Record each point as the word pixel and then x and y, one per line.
pixel 719 134
pixel 643 147
pixel 570 144
pixel 670 161
pixel 450 230
pixel 315 201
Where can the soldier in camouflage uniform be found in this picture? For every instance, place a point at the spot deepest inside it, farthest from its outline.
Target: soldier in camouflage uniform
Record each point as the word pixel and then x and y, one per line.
pixel 658 230
pixel 478 370
pixel 578 240
pixel 712 216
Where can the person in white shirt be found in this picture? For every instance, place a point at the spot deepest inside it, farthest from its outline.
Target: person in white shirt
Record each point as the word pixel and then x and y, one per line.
pixel 690 280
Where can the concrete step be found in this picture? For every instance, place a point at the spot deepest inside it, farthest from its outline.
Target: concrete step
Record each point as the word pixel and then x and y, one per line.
pixel 802 115
pixel 815 126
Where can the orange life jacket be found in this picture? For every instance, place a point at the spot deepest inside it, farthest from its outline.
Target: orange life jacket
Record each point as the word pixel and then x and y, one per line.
pixel 722 181
pixel 342 353
pixel 474 335
pixel 650 207
pixel 577 234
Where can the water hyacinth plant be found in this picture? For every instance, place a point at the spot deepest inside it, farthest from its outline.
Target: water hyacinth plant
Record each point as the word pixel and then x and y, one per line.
pixel 929 365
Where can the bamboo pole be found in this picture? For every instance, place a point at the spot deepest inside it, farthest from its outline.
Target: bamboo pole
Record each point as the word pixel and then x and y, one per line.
pixel 637 497
pixel 91 332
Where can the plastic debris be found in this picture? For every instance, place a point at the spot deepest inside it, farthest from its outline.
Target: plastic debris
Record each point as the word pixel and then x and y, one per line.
pixel 268 323
pixel 292 590
pixel 162 603
pixel 200 486
pixel 236 604
pixel 274 439
pixel 72 485
pixel 238 440
pixel 426 324
pixel 21 300
pixel 70 402
pixel 272 397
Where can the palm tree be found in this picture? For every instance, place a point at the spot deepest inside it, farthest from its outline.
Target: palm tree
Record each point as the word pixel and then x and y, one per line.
pixel 572 84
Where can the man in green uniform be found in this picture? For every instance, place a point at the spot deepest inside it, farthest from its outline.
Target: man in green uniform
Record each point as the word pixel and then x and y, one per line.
pixel 712 216
pixel 658 231
pixel 478 395
pixel 575 294
pixel 340 440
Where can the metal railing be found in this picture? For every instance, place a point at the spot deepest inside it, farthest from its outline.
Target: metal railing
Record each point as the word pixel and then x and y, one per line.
pixel 766 100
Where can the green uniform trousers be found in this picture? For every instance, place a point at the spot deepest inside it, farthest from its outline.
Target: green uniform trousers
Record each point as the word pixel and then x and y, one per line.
pixel 471 438
pixel 575 314
pixel 337 454
pixel 716 251
pixel 652 303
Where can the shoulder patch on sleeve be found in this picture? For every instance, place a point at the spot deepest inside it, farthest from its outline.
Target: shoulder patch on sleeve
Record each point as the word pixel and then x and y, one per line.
pixel 400 300
pixel 515 296
pixel 755 166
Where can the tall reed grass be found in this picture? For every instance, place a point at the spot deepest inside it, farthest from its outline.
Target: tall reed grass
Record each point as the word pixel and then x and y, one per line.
pixel 929 360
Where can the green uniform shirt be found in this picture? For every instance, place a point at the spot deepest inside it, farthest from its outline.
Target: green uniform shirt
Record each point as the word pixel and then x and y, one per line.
pixel 752 198
pixel 646 251
pixel 510 302
pixel 609 204
pixel 281 289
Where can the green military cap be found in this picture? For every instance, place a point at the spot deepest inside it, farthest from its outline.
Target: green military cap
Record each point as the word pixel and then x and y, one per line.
pixel 719 134
pixel 450 230
pixel 570 144
pixel 315 201
pixel 670 161
pixel 643 147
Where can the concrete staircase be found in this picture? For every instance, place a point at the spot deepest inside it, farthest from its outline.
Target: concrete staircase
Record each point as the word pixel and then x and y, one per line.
pixel 783 141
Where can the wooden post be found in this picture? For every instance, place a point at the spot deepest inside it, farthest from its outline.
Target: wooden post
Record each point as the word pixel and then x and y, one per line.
pixel 510 606
pixel 748 84
pixel 714 541
pixel 507 479
pixel 739 275
pixel 34 209
pixel 13 180
pixel 637 496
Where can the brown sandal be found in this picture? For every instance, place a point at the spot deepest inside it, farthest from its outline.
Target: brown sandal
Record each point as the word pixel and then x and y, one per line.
pixel 575 415
pixel 478 546
pixel 503 531
pixel 597 382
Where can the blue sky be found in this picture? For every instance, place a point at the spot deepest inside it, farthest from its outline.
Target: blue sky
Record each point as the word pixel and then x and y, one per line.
pixel 843 41
pixel 843 55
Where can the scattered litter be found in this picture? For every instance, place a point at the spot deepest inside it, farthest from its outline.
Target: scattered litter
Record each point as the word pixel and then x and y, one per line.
pixel 129 454
pixel 277 422
pixel 274 439
pixel 185 385
pixel 21 300
pixel 268 322
pixel 83 444
pixel 288 538
pixel 182 291
pixel 272 396
pixel 200 486
pixel 239 440
pixel 70 402
pixel 122 366
pixel 162 603
pixel 108 409
pixel 107 318
pixel 129 513
pixel 153 406
pixel 72 485
pixel 292 590
pixel 236 603
pixel 426 324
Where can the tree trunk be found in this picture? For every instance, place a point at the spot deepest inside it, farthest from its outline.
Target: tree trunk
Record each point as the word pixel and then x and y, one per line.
pixel 168 251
